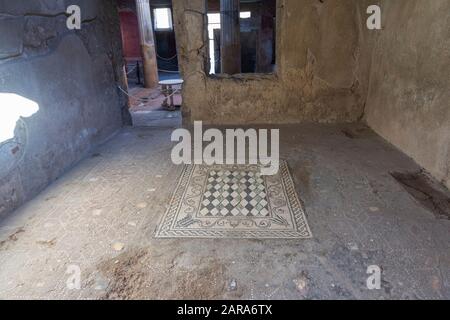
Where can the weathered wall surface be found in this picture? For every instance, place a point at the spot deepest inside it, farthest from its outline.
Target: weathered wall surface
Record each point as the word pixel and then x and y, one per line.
pixel 71 75
pixel 408 101
pixel 317 68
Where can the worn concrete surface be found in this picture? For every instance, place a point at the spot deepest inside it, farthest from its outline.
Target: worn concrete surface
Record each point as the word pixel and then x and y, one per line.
pixel 317 77
pixel 408 96
pixel 71 75
pixel 101 216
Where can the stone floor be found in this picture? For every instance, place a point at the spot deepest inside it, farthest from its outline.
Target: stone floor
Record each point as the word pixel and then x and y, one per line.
pixel 146 107
pixel 101 217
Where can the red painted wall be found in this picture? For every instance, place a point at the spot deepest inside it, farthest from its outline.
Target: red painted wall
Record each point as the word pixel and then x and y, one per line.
pixel 130 35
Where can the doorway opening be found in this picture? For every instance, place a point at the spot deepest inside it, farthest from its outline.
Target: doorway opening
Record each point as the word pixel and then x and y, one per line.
pixel 151 21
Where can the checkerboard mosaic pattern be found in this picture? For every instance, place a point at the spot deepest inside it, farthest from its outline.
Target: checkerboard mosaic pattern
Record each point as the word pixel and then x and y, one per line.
pixel 234 201
pixel 234 194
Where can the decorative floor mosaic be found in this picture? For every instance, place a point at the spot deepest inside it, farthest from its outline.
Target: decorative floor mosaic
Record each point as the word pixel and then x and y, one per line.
pixel 234 201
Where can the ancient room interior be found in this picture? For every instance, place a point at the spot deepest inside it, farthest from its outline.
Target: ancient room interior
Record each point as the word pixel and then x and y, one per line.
pixel 96 94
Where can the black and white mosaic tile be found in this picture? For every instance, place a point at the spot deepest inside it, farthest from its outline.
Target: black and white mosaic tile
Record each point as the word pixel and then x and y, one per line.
pixel 234 201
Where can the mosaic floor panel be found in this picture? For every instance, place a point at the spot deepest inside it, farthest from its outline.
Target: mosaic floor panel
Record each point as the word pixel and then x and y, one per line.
pixel 234 201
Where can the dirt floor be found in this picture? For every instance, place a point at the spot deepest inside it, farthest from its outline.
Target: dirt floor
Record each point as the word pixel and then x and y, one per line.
pixel 101 217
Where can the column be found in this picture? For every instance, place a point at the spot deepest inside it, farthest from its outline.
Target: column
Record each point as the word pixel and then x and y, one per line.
pixel 265 46
pixel 230 36
pixel 147 43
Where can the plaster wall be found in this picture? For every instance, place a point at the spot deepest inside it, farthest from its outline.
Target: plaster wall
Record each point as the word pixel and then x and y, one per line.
pixel 317 68
pixel 71 75
pixel 408 100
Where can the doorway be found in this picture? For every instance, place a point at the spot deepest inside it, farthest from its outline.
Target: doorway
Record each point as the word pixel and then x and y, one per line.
pixel 162 103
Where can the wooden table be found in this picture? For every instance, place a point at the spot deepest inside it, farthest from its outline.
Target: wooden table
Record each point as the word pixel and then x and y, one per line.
pixel 169 92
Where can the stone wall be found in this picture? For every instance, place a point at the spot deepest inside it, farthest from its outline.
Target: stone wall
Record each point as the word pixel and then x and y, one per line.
pixel 71 75
pixel 317 68
pixel 331 68
pixel 408 100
